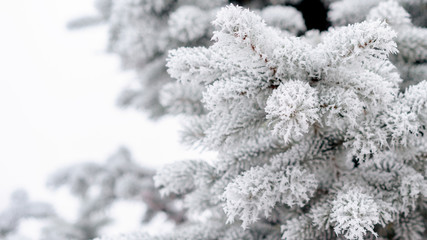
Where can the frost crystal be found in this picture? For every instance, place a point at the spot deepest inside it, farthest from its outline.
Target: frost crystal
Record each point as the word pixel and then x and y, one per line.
pixel 293 108
pixel 354 213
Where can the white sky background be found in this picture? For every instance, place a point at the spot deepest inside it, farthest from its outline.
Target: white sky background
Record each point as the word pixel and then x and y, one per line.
pixel 57 100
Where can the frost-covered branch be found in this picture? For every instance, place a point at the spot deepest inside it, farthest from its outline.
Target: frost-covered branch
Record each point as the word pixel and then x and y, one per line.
pixel 21 208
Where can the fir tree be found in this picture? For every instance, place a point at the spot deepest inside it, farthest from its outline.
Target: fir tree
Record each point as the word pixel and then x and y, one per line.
pixel 317 136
